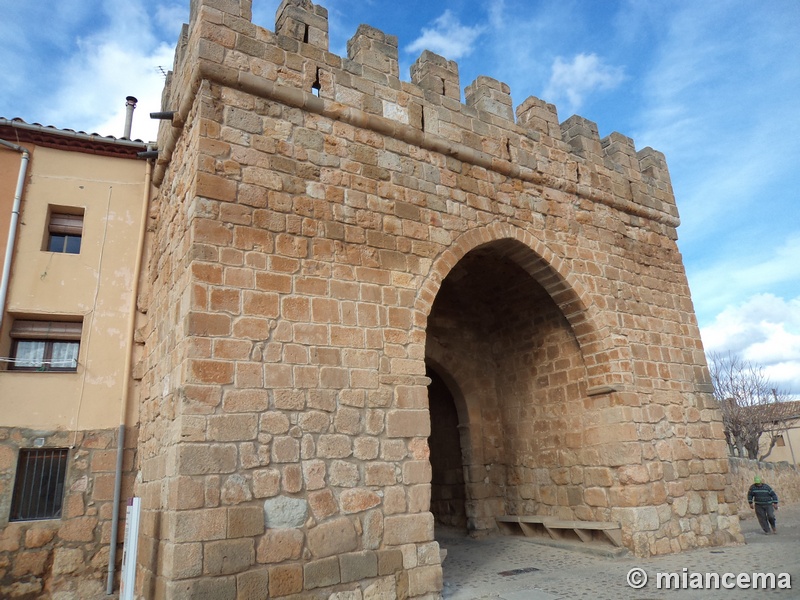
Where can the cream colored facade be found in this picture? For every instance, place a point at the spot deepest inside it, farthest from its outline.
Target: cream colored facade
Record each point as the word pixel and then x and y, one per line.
pixel 102 181
pixel 95 286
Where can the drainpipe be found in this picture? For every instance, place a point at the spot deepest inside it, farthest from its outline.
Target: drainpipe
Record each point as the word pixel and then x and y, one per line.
pixel 12 227
pixel 130 104
pixel 112 554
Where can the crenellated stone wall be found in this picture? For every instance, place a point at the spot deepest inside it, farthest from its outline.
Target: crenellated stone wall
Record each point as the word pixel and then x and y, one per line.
pixel 324 237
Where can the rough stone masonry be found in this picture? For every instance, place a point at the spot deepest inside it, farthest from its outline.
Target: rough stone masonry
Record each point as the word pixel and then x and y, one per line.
pixel 326 242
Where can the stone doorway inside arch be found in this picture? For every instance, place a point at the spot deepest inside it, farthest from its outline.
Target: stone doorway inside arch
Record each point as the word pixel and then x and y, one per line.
pixel 447 461
pixel 506 394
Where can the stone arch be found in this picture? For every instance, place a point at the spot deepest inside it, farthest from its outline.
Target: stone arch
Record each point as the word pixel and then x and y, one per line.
pixel 470 427
pixel 450 445
pixel 453 376
pixel 521 410
pixel 602 356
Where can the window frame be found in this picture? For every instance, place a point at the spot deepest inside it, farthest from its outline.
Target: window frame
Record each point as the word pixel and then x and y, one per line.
pixel 65 225
pixel 48 333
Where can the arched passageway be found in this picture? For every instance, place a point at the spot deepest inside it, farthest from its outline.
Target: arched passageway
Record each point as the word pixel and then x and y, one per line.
pixel 507 366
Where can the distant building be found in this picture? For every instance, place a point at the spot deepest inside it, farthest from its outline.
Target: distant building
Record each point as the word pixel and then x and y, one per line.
pixel 787 447
pixel 65 346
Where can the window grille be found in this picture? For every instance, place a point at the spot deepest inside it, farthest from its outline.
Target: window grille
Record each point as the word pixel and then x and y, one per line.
pixel 39 485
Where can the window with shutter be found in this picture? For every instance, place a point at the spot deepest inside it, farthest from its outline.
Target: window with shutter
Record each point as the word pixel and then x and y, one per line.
pixel 45 345
pixel 64 233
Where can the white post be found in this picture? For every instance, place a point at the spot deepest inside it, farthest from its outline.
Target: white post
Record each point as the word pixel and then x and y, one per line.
pixel 129 549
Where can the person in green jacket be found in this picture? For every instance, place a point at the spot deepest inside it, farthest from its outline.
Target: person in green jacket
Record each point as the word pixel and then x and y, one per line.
pixel 766 503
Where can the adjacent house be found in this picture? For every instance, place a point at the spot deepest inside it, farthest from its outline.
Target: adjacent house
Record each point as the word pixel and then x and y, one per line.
pixel 71 225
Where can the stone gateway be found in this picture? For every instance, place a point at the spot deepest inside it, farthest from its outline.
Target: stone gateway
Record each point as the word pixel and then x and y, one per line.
pixel 371 308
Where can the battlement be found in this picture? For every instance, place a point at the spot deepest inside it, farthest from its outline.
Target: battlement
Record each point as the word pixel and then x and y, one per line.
pixel 293 64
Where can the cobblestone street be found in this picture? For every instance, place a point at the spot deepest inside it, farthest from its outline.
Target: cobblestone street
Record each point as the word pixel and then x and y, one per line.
pixel 503 567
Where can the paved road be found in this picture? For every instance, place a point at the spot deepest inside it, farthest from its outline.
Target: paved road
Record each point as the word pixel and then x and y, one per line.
pixel 477 569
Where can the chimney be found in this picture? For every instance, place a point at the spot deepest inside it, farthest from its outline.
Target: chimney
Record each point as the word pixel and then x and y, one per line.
pixel 130 104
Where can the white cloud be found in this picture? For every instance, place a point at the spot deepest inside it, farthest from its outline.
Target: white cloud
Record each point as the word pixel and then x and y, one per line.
pixel 125 56
pixel 574 80
pixel 497 15
pixel 448 37
pixel 109 102
pixel 765 330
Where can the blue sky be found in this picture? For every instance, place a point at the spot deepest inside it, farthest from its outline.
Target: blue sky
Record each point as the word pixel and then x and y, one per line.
pixel 713 85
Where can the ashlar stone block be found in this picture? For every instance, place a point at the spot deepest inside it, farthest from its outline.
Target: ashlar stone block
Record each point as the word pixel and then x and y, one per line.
pixel 321 573
pixel 332 538
pixel 278 545
pixel 357 566
pixel 408 529
pixel 226 557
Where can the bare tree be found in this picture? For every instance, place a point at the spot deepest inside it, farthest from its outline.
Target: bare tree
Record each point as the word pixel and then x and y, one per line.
pixel 752 406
